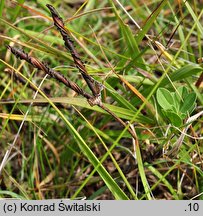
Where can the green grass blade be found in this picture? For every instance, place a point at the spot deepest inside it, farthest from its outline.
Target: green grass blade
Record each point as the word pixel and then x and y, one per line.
pixel 112 158
pixel 129 41
pixel 17 9
pixel 195 18
pixel 119 111
pixel 1 7
pixel 164 180
pixel 150 22
pixel 182 73
pixel 142 173
pixel 111 184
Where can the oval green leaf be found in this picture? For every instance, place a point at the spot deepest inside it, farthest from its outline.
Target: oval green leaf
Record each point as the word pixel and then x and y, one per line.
pixel 173 118
pixel 165 99
pixel 188 102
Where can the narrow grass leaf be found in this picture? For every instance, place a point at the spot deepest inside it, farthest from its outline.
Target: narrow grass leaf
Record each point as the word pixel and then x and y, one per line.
pixel 12 194
pixel 164 180
pixel 119 98
pixel 17 9
pixel 148 24
pixel 182 73
pixel 1 7
pixel 142 172
pixel 119 111
pixel 196 20
pixel 112 158
pixel 129 40
pixel 111 184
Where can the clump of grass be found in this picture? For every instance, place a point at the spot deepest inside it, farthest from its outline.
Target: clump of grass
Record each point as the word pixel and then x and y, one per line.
pixel 131 134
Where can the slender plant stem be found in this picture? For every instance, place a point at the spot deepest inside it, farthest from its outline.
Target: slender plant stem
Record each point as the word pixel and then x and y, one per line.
pixel 95 86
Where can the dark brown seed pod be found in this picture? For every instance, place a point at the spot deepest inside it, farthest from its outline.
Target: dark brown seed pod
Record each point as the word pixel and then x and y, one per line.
pixel 42 66
pixel 94 85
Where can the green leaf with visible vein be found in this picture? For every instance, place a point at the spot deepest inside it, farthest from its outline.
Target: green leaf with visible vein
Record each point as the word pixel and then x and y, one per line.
pixel 182 73
pixel 165 98
pixel 188 103
pixel 149 22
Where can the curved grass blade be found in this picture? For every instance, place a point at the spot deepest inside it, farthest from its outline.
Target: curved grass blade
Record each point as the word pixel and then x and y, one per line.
pixel 81 102
pixel 164 180
pixel 182 73
pixel 111 184
pixel 111 156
